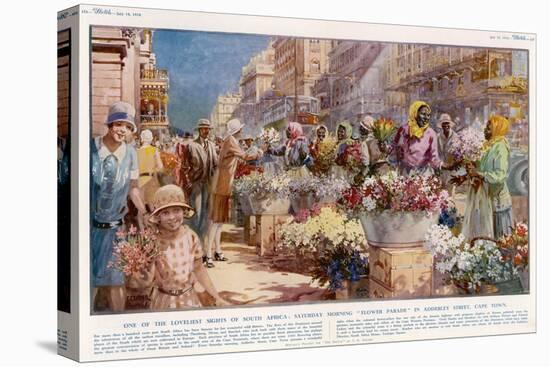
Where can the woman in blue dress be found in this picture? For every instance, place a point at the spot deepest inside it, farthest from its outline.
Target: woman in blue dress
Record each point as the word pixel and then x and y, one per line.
pixel 114 176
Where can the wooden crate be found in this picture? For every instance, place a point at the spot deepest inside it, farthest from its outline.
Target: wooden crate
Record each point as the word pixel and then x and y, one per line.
pixel 250 230
pixel 403 272
pixel 267 232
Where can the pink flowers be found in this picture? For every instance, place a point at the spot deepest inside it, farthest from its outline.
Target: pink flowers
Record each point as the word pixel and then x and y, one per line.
pixel 134 251
pixel 398 193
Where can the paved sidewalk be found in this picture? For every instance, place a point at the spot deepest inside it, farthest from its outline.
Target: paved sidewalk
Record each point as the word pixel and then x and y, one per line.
pixel 247 278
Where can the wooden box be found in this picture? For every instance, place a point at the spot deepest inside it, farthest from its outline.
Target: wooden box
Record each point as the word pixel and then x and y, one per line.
pixel 267 232
pixel 250 230
pixel 403 272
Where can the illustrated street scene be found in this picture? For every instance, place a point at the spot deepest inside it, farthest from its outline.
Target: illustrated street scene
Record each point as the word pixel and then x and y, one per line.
pixel 232 169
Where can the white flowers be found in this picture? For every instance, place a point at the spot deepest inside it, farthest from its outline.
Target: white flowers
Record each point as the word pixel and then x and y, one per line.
pixel 270 136
pixel 468 145
pixel 467 264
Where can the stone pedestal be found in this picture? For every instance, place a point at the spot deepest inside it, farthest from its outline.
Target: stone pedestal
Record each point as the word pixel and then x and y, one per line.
pixel 267 232
pixel 400 272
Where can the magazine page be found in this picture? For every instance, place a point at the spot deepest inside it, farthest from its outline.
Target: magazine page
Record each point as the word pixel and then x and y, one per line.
pixel 253 183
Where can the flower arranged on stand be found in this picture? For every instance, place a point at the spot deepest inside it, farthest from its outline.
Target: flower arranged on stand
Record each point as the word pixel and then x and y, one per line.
pixel 258 184
pixel 322 224
pixel 468 146
pixel 397 193
pixel 270 136
pixel 468 265
pixel 301 186
pixel 337 243
pixel 134 250
pixel 331 188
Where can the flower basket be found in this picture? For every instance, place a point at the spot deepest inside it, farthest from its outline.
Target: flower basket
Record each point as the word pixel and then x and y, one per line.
pixel 401 229
pixel 269 204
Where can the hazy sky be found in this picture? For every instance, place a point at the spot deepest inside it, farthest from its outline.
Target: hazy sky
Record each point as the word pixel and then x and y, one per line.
pixel 201 66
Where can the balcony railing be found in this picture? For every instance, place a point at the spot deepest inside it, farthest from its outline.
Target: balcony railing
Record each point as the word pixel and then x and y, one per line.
pixel 154 120
pixel 154 74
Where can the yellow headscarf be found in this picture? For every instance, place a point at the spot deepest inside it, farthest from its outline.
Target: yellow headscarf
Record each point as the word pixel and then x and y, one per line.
pixel 500 126
pixel 414 129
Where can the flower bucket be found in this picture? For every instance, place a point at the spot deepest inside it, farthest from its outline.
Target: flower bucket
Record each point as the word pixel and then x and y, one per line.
pixel 326 200
pixel 302 202
pixel 269 204
pixel 510 287
pixel 402 229
pixel 344 292
pixel 244 201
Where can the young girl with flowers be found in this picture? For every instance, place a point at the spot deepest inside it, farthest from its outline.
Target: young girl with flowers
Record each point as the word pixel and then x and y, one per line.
pixel 178 265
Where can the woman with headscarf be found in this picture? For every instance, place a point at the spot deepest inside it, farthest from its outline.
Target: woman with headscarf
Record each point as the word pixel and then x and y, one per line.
pixel 319 166
pixel 342 168
pixel 295 151
pixel 415 143
pixel 489 204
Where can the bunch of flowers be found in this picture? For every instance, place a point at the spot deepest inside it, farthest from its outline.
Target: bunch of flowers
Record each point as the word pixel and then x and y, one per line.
pixel 468 146
pixel 340 263
pixel 331 187
pixel 301 186
pixel 350 157
pixel 515 246
pixel 244 169
pixel 258 184
pixel 270 136
pixel 325 154
pixel 169 160
pixel 324 227
pixel 413 193
pixel 134 250
pixel 449 217
pixel 468 265
pixel 383 129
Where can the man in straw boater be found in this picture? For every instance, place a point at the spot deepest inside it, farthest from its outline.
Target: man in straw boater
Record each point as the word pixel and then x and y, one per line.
pixel 114 176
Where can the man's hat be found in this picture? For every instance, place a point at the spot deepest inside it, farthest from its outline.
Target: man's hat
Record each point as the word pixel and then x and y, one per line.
pixel 204 123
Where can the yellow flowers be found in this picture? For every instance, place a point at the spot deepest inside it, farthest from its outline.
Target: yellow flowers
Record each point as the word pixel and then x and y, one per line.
pixel 383 129
pixel 328 226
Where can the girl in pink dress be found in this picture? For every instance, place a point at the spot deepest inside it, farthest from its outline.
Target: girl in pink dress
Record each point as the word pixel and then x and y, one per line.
pixel 179 264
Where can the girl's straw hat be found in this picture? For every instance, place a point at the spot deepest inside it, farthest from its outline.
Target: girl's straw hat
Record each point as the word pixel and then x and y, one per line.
pixel 167 196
